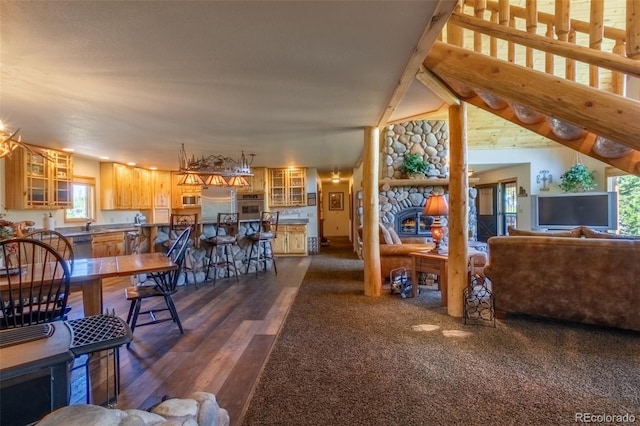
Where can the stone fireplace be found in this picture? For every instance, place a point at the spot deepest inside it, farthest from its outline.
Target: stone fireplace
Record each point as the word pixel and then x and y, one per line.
pixel 412 222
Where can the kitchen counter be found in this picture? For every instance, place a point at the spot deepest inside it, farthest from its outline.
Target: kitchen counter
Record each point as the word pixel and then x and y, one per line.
pixel 95 230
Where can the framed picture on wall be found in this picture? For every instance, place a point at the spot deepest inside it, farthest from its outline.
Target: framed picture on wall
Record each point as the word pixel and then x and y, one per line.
pixel 336 201
pixel 311 199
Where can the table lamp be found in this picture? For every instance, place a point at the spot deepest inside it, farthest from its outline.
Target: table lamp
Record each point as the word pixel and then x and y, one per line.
pixel 436 207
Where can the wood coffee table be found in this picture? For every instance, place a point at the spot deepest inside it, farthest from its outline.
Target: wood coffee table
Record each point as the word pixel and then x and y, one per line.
pixel 430 262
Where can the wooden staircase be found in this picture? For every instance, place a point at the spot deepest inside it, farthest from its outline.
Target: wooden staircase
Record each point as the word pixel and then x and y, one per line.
pixel 515 75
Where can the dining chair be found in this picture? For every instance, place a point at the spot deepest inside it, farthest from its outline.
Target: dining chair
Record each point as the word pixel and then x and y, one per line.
pixel 261 250
pixel 226 236
pixel 34 283
pixel 178 222
pixel 166 283
pixel 55 239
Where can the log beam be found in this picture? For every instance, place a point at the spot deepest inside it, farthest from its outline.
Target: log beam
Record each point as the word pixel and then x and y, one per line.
pixel 603 113
pixel 371 236
pixel 458 209
pixel 432 83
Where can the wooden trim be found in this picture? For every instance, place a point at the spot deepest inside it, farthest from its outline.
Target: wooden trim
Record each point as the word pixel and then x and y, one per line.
pixel 432 83
pixel 422 182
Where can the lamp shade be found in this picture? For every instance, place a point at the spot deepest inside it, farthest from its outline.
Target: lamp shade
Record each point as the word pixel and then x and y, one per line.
pixel 215 180
pixel 191 179
pixel 238 181
pixel 436 206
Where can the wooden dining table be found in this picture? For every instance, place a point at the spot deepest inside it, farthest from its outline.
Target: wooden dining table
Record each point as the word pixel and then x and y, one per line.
pixel 87 274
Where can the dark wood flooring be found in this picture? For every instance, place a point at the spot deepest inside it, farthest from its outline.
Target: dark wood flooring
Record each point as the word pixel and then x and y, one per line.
pixel 230 328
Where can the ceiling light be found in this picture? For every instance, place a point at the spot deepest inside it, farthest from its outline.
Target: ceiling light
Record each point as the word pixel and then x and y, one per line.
pixel 238 181
pixel 68 149
pixel 103 157
pixel 335 178
pixel 214 180
pixel 216 165
pixel 191 179
pixel 131 163
pixel 153 168
pixel 8 142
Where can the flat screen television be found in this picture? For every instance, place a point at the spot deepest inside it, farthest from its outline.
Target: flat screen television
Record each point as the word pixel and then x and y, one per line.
pixel 598 210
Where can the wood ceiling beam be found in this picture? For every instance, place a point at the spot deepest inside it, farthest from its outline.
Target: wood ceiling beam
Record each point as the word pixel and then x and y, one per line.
pixel 612 116
pixel 434 84
pixel 441 13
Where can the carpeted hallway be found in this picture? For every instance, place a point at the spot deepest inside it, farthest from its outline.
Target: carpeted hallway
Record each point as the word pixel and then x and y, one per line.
pixel 343 358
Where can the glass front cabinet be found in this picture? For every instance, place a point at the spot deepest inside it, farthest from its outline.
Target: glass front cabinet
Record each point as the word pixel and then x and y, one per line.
pixel 38 178
pixel 287 187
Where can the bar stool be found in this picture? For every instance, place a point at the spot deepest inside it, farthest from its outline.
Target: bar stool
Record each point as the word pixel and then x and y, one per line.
pixel 225 238
pixel 261 242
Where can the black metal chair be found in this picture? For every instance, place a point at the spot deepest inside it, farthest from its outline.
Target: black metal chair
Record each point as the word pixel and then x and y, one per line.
pixel 225 238
pixel 261 250
pixel 166 283
pixel 177 224
pixel 34 283
pixel 100 337
pixel 55 239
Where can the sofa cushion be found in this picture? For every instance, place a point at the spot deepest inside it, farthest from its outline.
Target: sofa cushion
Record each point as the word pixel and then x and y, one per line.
pixel 592 233
pixel 394 236
pixel 385 237
pixel 575 233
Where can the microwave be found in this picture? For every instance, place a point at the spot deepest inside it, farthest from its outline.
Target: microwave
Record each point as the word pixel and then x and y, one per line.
pixel 189 200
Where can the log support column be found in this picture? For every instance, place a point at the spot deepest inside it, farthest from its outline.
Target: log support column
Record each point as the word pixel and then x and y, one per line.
pixel 458 208
pixel 371 235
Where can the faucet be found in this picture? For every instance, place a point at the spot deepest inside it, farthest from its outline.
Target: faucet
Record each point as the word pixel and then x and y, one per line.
pixel 86 227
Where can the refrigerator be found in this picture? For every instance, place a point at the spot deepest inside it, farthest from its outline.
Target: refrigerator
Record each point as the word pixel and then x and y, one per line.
pixel 217 199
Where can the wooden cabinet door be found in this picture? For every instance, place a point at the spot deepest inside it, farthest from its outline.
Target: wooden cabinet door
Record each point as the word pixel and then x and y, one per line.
pixel 143 188
pixel 280 243
pixel 297 240
pixel 123 183
pixel 161 189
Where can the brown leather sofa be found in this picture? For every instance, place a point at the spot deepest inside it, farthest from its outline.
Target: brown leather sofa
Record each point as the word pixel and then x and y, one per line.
pixel 591 279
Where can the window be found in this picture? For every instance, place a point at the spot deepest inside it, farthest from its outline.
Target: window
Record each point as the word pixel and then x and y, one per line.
pixel 82 200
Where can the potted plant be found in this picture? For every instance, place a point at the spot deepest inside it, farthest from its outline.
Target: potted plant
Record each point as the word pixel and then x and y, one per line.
pixel 577 179
pixel 414 166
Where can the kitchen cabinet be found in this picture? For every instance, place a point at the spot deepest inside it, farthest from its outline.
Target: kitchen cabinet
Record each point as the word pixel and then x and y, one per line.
pixel 287 187
pixel 161 188
pixel 291 240
pixel 132 188
pixel 116 186
pixel 109 244
pixel 38 179
pixel 142 188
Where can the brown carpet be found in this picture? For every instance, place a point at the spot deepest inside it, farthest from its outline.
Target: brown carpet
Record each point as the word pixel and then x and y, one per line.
pixel 346 359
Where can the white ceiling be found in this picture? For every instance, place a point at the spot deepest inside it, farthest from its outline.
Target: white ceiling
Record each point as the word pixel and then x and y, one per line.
pixel 293 82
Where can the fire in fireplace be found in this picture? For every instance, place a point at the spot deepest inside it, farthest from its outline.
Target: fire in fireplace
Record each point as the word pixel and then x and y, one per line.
pixel 411 222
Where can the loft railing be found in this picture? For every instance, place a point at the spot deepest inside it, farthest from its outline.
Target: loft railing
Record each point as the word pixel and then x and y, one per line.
pixel 579 48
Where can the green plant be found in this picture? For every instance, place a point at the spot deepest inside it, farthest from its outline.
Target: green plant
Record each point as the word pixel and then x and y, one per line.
pixel 577 179
pixel 413 164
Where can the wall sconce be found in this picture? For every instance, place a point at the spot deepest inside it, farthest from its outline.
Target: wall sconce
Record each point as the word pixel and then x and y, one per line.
pixel 436 207
pixel 544 177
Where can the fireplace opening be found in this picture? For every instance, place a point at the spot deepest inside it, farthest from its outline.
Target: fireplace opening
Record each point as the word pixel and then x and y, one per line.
pixel 412 222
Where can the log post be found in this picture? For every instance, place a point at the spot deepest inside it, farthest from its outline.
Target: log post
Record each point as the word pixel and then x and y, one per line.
pixel 371 236
pixel 458 209
pixel 596 34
